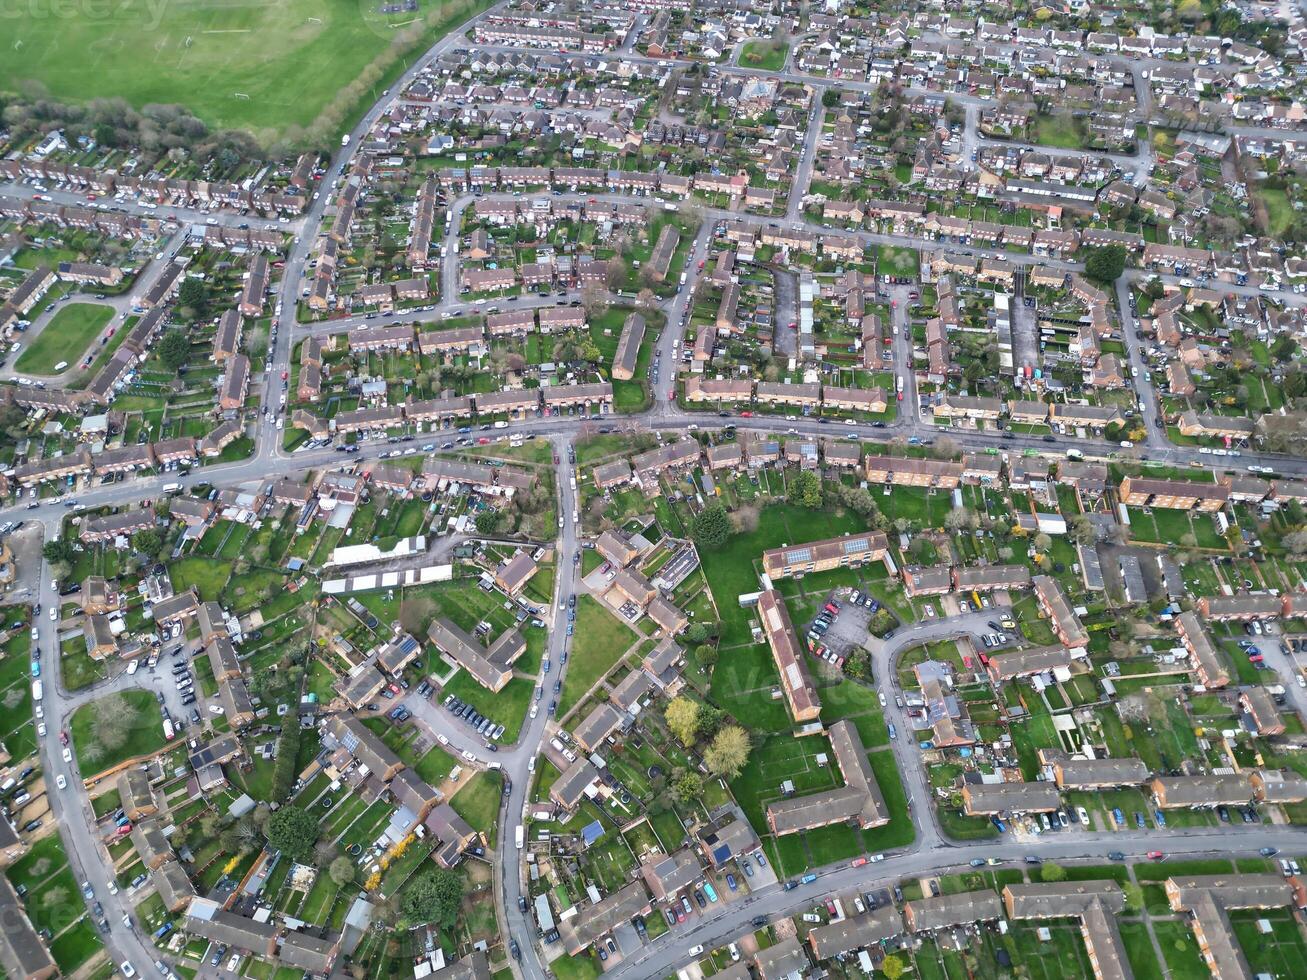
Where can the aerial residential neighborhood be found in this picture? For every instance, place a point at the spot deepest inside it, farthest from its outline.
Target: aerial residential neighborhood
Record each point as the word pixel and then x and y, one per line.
pixel 534 490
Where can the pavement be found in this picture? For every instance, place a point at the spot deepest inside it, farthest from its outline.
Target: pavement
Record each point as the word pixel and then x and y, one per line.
pixel 931 851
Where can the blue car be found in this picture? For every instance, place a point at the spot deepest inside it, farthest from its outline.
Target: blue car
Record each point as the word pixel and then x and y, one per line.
pixel 730 882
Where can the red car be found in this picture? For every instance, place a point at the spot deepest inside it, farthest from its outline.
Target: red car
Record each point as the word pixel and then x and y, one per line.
pixel 746 415
pixel 1155 855
pixel 63 737
pixel 284 375
pixel 555 459
pixel 858 862
pixel 900 395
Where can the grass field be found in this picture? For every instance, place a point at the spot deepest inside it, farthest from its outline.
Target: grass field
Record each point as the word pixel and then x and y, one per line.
pixel 267 68
pixel 65 337
pixel 765 55
pixel 145 736
pixel 599 640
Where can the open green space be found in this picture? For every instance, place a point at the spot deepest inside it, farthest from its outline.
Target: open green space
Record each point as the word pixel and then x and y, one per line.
pixel 65 338
pixel 764 55
pixel 268 68
pixel 598 642
pixel 139 734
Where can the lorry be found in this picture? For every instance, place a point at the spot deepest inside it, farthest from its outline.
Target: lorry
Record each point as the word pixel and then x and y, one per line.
pixel 520 834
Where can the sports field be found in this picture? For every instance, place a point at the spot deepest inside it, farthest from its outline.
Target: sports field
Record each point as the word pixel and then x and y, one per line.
pixel 266 67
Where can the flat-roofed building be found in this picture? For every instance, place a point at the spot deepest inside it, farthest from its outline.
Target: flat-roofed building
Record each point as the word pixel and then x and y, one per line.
pixel 1095 903
pixel 858 801
pixel 796 682
pixel 1208 899
pixel 851 551
pixel 948 911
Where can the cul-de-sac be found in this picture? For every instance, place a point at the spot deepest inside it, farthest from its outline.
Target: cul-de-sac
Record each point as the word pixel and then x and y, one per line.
pixel 653 490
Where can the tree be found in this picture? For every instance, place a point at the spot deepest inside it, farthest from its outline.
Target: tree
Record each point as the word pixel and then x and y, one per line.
pixel 830 98
pixel 1082 529
pixel 434 897
pixel 293 831
pixel 174 349
pixel 728 753
pixel 148 541
pixel 1106 263
pixel 706 654
pixel 961 519
pixel 682 716
pixel 1052 871
pixel 1296 542
pixel 1042 542
pixel 858 665
pixel 805 490
pixel 113 721
pixel 893 966
pixel 341 871
pixel 686 786
pixel 711 527
pixel 489 521
pixel 190 295
pixel 59 549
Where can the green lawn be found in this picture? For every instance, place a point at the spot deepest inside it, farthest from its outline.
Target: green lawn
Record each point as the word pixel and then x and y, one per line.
pixel 478 803
pixel 65 337
pixel 599 641
pixel 142 737
pixel 764 55
pixel 269 68
pixel 1060 130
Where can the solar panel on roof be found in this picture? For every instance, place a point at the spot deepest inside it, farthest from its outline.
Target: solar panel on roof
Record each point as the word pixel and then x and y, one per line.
pixel 798 554
pixel 855 544
pixel 721 853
